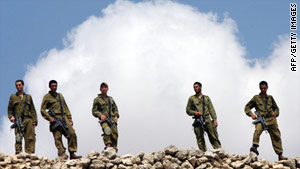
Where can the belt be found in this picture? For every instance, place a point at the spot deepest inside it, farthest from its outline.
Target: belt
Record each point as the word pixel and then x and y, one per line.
pixel 27 117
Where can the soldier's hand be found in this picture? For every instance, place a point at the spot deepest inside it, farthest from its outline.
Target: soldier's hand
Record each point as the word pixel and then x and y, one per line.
pixel 12 119
pixel 52 120
pixel 103 117
pixel 34 125
pixel 71 121
pixel 216 123
pixel 273 114
pixel 116 119
pixel 197 114
pixel 253 116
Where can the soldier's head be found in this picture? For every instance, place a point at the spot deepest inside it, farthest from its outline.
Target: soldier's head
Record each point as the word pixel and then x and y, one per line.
pixel 103 88
pixel 53 85
pixel 19 85
pixel 263 86
pixel 197 87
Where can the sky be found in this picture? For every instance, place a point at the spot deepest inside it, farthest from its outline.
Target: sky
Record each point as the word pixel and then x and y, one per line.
pixel 150 53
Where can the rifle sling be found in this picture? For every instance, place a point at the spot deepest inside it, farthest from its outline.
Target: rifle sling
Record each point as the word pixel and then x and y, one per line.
pixel 23 112
pixel 203 107
pixel 61 107
pixel 109 106
pixel 266 104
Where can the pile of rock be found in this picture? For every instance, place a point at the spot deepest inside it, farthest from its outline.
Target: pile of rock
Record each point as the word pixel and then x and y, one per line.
pixel 169 158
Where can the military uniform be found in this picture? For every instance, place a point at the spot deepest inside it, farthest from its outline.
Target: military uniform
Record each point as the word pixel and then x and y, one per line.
pixel 16 108
pixel 52 102
pixel 195 104
pixel 258 102
pixel 108 108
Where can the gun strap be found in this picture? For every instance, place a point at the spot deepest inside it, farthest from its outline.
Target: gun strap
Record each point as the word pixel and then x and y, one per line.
pixel 266 104
pixel 109 106
pixel 23 112
pixel 61 106
pixel 203 107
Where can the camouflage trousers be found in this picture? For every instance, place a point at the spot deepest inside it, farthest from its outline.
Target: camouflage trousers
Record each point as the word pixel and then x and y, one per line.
pixel 274 134
pixel 29 137
pixel 72 138
pixel 212 133
pixel 110 135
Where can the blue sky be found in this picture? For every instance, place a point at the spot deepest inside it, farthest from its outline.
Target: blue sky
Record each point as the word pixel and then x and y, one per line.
pixel 29 28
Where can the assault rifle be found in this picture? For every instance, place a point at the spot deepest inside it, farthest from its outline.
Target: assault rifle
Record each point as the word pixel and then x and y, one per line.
pixel 260 119
pixel 108 120
pixel 199 120
pixel 59 122
pixel 18 124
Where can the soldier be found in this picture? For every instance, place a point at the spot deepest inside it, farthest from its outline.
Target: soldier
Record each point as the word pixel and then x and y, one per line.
pixel 201 107
pixel 105 108
pixel 55 101
pixel 267 107
pixel 21 107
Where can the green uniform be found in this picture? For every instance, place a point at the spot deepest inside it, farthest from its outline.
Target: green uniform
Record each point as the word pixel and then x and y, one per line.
pixel 195 104
pixel 258 102
pixel 52 102
pixel 109 108
pixel 16 108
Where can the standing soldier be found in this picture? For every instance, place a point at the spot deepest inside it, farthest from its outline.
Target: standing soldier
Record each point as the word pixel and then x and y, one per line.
pixel 55 102
pixel 202 109
pixel 266 106
pixel 22 113
pixel 105 108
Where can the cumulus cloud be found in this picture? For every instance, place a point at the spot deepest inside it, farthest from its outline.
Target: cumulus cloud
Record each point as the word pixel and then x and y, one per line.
pixel 150 54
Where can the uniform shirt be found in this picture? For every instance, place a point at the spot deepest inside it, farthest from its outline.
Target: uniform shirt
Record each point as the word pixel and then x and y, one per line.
pixel 258 103
pixel 101 107
pixel 195 104
pixel 16 103
pixel 51 102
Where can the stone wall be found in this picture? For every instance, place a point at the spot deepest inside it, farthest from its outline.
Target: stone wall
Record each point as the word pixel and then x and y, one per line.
pixel 169 158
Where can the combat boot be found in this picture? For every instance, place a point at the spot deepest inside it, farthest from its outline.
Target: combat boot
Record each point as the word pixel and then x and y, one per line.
pixel 281 157
pixel 62 157
pixel 74 156
pixel 254 149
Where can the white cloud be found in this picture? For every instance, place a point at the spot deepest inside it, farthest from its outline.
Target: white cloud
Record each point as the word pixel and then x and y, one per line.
pixel 150 54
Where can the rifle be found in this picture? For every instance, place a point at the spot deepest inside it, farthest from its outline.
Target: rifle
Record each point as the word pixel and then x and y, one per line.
pixel 108 120
pixel 260 119
pixel 59 122
pixel 18 124
pixel 199 120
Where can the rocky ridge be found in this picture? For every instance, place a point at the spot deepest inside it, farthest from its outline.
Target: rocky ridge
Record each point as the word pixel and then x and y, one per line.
pixel 169 158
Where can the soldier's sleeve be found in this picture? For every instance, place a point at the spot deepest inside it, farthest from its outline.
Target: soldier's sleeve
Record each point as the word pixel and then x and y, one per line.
pixel 249 106
pixel 275 107
pixel 189 109
pixel 211 109
pixel 44 107
pixel 115 108
pixel 95 110
pixel 33 112
pixel 66 108
pixel 10 108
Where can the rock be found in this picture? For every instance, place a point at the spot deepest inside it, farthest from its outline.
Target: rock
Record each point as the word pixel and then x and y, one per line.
pixel 110 153
pixel 33 157
pixel 171 150
pixel 253 156
pixel 116 161
pixel 84 162
pixel 256 164
pixel 297 160
pixel 158 165
pixel 93 154
pixel 70 163
pixel 192 160
pixel 159 155
pixel 182 154
pixel 186 164
pixel 121 166
pixel 97 164
pixel 211 155
pixel 135 160
pixel 35 162
pixel 2 156
pixel 280 166
pixel 175 160
pixel 237 164
pixel 109 165
pixel 202 166
pixel 247 167
pixel 289 163
pixel 195 152
pixel 148 159
pixel 127 162
pixel 23 155
pixel 202 160
pixel 141 155
pixel 221 153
